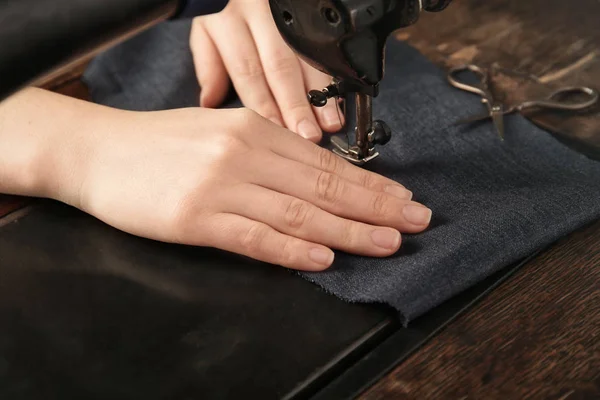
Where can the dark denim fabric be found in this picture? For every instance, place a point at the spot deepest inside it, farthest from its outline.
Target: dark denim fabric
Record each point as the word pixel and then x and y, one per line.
pixel 494 203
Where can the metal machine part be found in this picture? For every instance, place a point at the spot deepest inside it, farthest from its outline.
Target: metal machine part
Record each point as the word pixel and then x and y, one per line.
pixel 346 40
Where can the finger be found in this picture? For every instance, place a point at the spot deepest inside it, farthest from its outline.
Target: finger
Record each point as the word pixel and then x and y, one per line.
pixel 290 146
pixel 337 195
pixel 303 220
pixel 240 56
pixel 330 117
pixel 327 161
pixel 210 70
pixel 284 74
pixel 257 240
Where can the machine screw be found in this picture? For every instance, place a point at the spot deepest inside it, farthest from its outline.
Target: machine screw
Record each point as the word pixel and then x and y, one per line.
pixel 382 133
pixel 317 98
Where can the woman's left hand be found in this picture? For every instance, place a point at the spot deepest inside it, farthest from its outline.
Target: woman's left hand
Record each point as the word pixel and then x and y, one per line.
pixel 242 44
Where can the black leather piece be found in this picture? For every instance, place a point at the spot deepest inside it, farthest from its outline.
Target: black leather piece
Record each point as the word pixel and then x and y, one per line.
pixel 38 35
pixel 88 312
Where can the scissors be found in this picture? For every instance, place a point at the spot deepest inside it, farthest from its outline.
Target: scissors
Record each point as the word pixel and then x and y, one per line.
pixel 497 111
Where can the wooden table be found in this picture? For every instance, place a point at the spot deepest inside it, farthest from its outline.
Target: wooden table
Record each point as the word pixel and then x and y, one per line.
pixel 537 335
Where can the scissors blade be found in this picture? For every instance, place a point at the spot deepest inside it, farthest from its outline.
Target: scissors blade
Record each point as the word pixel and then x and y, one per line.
pixel 498 119
pixel 473 119
pixel 496 114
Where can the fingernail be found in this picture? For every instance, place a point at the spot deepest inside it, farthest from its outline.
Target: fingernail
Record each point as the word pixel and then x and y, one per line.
pixel 388 239
pixel 332 116
pixel 399 192
pixel 321 256
pixel 417 215
pixel 309 130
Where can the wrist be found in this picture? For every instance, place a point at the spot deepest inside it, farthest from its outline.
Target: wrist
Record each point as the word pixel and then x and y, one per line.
pixel 72 148
pixel 47 142
pixel 22 136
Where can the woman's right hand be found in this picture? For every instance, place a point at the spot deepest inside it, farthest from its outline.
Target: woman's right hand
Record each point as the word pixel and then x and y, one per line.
pixel 229 179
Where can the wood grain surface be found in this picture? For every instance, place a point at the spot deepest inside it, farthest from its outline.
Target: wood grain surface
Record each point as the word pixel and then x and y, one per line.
pixel 556 41
pixel 537 336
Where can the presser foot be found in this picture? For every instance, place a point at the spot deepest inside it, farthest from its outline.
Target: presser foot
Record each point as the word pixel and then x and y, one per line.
pixel 368 133
pixel 352 153
pixel 380 134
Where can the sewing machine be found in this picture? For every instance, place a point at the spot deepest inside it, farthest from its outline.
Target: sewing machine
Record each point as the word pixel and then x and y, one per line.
pixel 346 40
pixel 75 333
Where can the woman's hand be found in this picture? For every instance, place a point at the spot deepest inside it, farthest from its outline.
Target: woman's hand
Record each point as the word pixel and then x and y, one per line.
pixel 229 179
pixel 233 180
pixel 242 42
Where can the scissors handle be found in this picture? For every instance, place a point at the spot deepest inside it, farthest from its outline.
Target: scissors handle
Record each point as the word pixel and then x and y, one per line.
pixel 553 102
pixel 482 89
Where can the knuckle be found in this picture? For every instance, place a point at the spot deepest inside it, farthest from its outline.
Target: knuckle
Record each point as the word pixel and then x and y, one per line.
pixel 347 236
pixel 298 106
pixel 288 256
pixel 227 145
pixel 197 29
pixel 366 179
pixel 380 204
pixel 229 12
pixel 328 161
pixel 247 117
pixel 253 239
pixel 329 187
pixel 297 214
pixel 281 64
pixel 198 22
pixel 182 219
pixel 248 68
